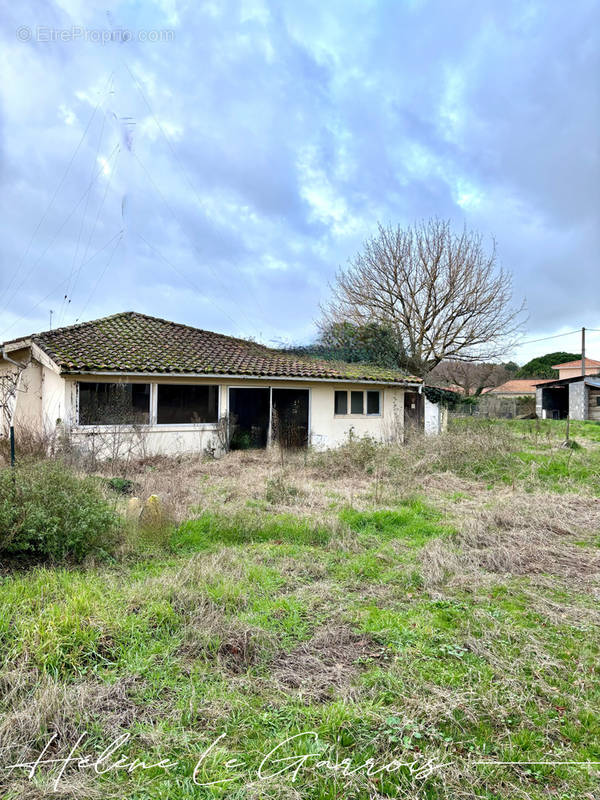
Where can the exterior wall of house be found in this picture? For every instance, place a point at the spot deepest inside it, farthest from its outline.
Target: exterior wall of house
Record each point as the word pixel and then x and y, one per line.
pixel 326 429
pixel 575 372
pixel 28 411
pixel 50 399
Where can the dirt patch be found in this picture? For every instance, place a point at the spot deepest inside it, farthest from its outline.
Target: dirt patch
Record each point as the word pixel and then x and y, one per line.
pixel 326 664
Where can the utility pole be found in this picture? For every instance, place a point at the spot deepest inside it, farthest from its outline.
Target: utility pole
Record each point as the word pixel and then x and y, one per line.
pixel 583 351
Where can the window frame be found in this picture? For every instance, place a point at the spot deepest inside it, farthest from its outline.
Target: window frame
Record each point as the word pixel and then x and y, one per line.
pixel 364 413
pixel 335 393
pixel 152 414
pixel 113 425
pixel 191 425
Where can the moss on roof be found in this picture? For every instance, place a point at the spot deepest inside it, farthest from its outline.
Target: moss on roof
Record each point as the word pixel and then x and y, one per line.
pixel 130 342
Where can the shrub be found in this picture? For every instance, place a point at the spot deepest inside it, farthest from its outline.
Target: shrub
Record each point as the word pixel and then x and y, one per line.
pixel 49 513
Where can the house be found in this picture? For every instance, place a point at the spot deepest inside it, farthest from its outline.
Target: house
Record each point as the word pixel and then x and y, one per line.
pixel 170 388
pixel 573 397
pixel 516 388
pixel 572 369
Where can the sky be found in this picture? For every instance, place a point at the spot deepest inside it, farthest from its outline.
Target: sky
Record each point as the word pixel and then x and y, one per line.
pixel 215 163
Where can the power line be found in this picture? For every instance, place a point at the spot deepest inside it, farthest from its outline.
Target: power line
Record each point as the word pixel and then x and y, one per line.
pixel 180 164
pixel 62 283
pixel 35 263
pixel 56 191
pixel 185 277
pixel 99 211
pixel 66 300
pixel 101 275
pixel 545 338
pixel 183 230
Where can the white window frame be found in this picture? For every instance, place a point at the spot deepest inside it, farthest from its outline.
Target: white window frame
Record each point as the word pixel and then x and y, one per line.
pixel 153 411
pixel 349 414
pixel 188 425
pixel 113 426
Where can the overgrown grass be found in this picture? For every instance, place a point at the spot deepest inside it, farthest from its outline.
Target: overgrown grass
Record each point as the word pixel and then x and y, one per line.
pixel 411 609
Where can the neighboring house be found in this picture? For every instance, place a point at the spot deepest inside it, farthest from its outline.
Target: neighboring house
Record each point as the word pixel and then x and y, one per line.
pixel 516 388
pixel 573 397
pixel 173 388
pixel 572 369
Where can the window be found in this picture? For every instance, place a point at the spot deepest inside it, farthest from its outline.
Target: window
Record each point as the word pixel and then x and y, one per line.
pixel 359 404
pixel 341 402
pixel 356 402
pixel 181 404
pixel 114 403
pixel 598 400
pixel 373 403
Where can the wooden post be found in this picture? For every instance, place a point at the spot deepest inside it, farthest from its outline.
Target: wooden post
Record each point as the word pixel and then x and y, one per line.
pixel 12 446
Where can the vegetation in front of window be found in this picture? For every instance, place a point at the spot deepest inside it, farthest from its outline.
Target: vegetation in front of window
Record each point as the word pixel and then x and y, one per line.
pixel 114 403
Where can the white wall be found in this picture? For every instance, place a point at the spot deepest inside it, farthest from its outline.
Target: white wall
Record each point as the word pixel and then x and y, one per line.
pixel 435 418
pixel 52 397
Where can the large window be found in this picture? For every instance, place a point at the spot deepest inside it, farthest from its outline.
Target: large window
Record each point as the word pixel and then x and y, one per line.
pixel 361 403
pixel 184 404
pixel 114 403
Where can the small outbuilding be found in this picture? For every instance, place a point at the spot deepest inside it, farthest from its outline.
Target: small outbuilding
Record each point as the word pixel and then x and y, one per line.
pixel 573 397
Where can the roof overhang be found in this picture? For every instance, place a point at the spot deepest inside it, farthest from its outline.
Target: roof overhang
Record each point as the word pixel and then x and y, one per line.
pixel 589 379
pixel 413 382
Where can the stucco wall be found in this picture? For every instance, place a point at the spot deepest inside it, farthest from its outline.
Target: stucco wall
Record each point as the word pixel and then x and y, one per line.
pixel 326 429
pixel 436 418
pixel 575 372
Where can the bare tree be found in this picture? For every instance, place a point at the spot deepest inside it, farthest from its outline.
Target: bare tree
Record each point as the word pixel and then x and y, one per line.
pixel 470 376
pixel 442 294
pixel 11 384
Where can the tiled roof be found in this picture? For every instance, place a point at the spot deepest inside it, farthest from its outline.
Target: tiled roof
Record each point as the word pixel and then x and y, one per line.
pixel 519 386
pixel 589 362
pixel 136 343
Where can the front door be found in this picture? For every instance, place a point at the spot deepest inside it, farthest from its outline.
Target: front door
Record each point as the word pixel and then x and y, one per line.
pixel 413 412
pixel 249 417
pixel 290 417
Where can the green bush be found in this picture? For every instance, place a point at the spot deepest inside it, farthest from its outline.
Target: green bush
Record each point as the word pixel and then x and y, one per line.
pixel 48 513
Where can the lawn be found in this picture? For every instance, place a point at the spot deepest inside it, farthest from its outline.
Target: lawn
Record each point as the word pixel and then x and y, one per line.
pixel 412 622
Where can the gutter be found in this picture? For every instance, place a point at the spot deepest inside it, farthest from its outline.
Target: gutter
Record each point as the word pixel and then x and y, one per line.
pixel 6 357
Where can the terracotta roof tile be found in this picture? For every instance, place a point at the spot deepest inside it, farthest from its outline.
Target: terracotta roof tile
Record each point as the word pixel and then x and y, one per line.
pixel 589 362
pixel 518 386
pixel 136 343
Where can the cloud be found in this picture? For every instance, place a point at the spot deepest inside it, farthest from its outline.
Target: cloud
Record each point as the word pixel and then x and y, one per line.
pixel 243 160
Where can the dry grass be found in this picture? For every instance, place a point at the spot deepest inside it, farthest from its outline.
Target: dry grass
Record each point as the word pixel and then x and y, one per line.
pixel 520 534
pixel 326 665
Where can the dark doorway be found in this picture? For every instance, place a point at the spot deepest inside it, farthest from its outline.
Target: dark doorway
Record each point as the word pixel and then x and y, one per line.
pixel 555 402
pixel 248 418
pixel 413 412
pixel 290 417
